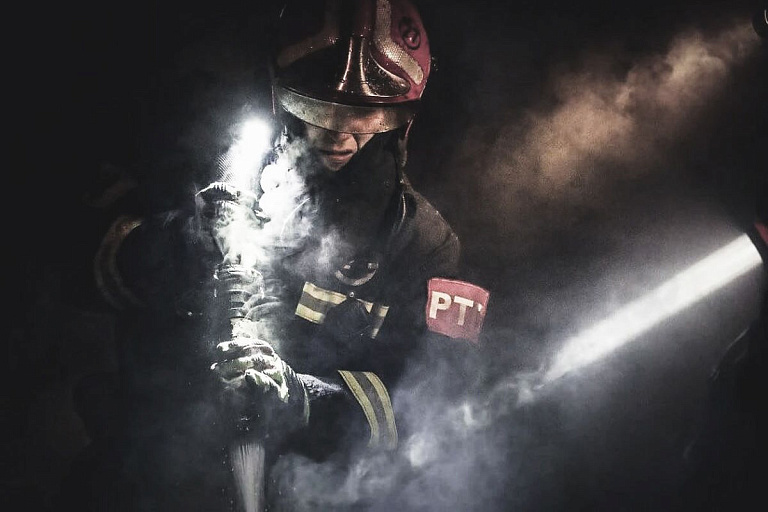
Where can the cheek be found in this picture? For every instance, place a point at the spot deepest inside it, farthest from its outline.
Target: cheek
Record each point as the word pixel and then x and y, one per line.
pixel 313 135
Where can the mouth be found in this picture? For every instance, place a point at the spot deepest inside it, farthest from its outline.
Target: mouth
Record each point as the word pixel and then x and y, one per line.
pixel 336 156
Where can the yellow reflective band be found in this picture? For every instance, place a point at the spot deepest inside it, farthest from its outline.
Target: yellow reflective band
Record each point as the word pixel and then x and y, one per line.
pixel 380 312
pixel 322 294
pixel 389 413
pixel 365 403
pixel 106 274
pixel 309 314
pixel 315 302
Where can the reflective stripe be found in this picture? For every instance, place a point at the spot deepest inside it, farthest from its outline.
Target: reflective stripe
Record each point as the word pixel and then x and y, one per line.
pixel 365 403
pixel 372 396
pixel 379 312
pixel 322 294
pixel 106 274
pixel 389 413
pixel 315 302
pixel 309 314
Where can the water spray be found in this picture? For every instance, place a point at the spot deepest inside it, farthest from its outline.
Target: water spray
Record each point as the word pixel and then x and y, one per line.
pixel 625 325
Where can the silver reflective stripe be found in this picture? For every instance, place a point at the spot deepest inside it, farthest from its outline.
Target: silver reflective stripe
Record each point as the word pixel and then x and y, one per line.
pixel 344 118
pixel 108 279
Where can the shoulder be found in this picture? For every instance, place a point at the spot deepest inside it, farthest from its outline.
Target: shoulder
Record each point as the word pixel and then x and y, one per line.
pixel 424 234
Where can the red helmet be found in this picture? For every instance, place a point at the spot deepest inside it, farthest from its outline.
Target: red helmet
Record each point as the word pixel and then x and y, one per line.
pixel 355 66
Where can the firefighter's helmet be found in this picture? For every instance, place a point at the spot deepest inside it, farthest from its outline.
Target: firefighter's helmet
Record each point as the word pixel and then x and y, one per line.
pixel 355 66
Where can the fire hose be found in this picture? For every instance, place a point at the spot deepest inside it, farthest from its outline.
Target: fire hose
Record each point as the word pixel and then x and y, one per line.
pixel 235 287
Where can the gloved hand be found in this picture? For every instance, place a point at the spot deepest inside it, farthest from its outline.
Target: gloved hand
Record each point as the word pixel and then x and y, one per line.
pixel 263 390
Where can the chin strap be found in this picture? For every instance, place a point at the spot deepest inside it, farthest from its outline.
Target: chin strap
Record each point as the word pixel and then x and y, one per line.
pixel 402 145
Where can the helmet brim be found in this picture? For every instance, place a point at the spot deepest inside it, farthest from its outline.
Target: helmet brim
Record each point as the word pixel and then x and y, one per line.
pixel 340 117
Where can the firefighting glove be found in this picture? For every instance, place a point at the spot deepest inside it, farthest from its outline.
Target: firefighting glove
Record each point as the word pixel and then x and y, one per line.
pixel 260 388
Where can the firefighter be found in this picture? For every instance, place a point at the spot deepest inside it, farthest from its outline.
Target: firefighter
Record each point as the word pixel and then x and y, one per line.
pixel 367 279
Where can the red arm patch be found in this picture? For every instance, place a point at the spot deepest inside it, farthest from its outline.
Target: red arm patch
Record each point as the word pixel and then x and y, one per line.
pixel 456 308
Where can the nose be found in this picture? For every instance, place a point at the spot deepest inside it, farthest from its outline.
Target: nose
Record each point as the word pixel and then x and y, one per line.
pixel 336 136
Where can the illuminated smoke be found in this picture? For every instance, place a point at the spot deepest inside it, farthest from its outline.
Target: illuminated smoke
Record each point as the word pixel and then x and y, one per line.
pixel 285 199
pixel 435 469
pixel 304 484
pixel 604 128
pixel 659 99
pixel 244 158
pixel 284 218
pixel 236 229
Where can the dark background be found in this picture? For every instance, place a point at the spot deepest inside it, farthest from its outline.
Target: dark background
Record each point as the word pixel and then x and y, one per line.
pixel 153 90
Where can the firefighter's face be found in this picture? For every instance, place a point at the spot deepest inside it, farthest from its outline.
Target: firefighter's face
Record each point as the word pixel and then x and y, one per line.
pixel 335 149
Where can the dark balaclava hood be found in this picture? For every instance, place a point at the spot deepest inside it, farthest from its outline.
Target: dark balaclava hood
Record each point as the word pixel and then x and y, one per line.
pixel 355 204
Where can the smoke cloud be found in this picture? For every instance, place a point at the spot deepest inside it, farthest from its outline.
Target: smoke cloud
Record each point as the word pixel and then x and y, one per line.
pixel 600 124
pixel 601 118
